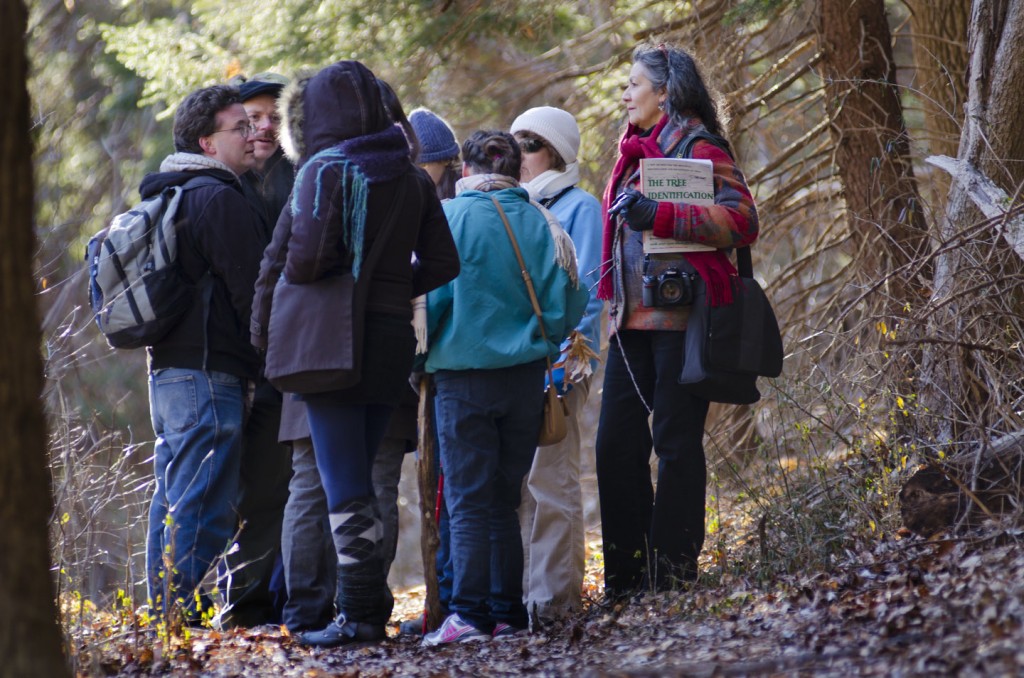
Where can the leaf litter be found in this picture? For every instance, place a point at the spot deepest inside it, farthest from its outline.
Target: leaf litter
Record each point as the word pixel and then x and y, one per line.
pixel 898 607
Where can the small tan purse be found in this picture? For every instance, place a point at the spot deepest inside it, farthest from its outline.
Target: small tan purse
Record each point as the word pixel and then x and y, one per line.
pixel 555 428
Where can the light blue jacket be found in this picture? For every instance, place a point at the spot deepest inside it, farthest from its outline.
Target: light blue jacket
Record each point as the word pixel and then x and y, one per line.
pixel 580 216
pixel 483 319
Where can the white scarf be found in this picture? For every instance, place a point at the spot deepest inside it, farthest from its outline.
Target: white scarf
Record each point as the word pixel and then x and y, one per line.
pixel 551 183
pixel 190 162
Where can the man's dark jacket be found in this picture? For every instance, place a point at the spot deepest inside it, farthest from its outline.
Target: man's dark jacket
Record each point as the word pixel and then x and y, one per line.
pixel 218 232
pixel 269 190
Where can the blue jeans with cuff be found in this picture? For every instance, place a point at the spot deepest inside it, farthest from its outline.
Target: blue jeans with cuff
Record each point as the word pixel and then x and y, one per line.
pixel 488 422
pixel 197 418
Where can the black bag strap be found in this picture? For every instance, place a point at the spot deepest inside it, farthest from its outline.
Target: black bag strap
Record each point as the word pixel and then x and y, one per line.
pixel 744 263
pixel 529 283
pixel 548 203
pixel 702 134
pixel 390 220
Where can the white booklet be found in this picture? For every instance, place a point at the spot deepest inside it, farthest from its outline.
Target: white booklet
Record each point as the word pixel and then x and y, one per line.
pixel 676 180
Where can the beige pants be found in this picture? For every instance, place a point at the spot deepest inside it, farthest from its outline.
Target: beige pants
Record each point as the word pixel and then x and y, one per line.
pixel 551 516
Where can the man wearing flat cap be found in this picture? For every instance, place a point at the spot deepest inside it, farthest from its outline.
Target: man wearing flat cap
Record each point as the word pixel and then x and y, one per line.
pixel 252 575
pixel 271 178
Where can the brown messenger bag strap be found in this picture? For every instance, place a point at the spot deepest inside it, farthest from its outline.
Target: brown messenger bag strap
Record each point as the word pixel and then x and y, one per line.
pixel 528 280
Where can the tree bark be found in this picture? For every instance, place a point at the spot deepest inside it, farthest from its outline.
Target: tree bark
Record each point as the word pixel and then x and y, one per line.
pixel 430 537
pixel 30 640
pixel 940 80
pixel 872 152
pixel 974 300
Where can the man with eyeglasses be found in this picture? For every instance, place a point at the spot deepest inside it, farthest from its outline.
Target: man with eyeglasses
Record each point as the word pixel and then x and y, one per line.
pixel 252 575
pixel 200 372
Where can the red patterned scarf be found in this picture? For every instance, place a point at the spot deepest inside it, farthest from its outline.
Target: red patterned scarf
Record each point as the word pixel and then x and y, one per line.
pixel 713 267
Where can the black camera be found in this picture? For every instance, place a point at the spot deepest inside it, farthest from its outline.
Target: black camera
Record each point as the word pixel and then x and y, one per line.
pixel 672 287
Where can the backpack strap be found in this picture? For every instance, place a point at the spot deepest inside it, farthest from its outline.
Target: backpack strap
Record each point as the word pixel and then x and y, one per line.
pixel 702 134
pixel 206 281
pixel 200 181
pixel 744 264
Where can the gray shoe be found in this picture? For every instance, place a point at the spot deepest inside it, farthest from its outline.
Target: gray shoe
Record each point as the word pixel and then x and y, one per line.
pixel 343 632
pixel 412 627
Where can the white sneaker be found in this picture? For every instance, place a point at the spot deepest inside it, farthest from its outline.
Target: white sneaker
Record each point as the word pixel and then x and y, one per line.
pixel 454 630
pixel 503 631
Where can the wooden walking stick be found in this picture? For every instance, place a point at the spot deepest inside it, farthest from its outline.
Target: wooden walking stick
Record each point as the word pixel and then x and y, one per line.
pixel 429 517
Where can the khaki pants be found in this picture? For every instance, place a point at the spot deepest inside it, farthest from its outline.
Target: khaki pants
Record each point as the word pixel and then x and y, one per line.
pixel 551 516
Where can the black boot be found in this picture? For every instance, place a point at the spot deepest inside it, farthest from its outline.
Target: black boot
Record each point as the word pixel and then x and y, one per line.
pixel 364 600
pixel 363 592
pixel 343 632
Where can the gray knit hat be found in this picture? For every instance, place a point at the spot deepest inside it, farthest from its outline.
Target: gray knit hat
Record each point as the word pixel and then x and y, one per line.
pixel 555 126
pixel 437 140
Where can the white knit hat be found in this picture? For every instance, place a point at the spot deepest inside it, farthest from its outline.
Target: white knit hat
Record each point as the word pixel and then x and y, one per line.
pixel 555 126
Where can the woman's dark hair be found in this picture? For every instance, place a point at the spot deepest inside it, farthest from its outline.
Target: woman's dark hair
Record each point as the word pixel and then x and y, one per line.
pixel 451 175
pixel 397 113
pixel 557 161
pixel 491 151
pixel 676 72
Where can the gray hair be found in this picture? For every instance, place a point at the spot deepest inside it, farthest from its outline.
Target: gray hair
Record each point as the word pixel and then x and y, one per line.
pixel 675 72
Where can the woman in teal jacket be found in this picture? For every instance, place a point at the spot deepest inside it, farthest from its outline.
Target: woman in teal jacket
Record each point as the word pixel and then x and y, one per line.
pixel 487 355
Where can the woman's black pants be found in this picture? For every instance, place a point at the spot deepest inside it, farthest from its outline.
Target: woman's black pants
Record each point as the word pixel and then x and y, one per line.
pixel 651 537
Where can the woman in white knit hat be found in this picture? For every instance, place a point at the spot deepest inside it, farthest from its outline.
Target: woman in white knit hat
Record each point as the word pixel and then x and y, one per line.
pixel 551 513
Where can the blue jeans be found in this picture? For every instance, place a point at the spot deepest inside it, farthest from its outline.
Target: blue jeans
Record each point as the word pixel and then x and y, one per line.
pixel 487 423
pixel 443 559
pixel 197 418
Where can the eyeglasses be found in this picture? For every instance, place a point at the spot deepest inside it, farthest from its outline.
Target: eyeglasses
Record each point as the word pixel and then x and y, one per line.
pixel 531 145
pixel 242 129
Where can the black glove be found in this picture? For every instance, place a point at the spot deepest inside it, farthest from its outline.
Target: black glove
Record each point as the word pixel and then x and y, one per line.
pixel 637 209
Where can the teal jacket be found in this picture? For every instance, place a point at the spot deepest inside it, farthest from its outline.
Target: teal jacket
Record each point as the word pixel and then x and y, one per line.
pixel 483 318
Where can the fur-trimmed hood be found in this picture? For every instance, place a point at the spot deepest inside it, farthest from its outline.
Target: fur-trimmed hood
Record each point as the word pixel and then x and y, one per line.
pixel 322 109
pixel 289 105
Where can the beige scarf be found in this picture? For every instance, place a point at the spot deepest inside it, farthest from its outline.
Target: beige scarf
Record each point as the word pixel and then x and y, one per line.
pixel 191 162
pixel 565 251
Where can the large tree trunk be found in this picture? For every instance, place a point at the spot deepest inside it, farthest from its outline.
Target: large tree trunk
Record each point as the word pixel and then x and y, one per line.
pixel 940 78
pixel 974 357
pixel 872 152
pixel 30 640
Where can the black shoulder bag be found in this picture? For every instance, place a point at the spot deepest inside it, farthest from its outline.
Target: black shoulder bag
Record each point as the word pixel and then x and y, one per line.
pixel 728 347
pixel 315 332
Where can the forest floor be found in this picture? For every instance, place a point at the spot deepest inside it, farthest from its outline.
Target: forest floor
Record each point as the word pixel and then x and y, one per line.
pixel 905 607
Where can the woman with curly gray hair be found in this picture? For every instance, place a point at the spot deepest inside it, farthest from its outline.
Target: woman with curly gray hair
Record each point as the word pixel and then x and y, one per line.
pixel 652 538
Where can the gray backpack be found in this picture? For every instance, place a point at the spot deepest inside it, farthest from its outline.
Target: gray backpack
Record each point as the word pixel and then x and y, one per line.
pixel 137 289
